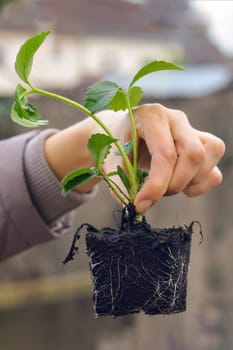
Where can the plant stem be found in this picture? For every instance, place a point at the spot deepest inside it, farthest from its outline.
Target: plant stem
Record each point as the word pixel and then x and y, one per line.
pixel 134 138
pixel 65 100
pixel 75 104
pixel 114 187
pixel 118 188
pixel 111 185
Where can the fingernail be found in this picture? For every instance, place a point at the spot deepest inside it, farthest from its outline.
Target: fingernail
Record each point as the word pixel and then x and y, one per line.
pixel 143 206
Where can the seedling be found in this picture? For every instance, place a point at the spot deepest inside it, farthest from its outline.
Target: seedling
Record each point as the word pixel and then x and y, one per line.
pixel 101 95
pixel 133 267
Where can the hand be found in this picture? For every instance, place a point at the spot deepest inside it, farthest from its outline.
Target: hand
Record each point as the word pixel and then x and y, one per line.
pixel 179 157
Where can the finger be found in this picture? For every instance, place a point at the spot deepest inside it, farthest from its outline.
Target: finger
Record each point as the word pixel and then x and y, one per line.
pixel 214 179
pixel 163 158
pixel 215 149
pixel 191 152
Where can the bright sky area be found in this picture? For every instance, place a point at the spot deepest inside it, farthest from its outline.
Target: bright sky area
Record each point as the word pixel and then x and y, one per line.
pixel 220 16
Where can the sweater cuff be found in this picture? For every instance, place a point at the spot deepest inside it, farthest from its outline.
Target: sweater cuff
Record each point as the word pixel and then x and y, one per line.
pixel 43 186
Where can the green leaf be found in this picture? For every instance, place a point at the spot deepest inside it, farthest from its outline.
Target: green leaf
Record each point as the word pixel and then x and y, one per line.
pixel 112 173
pixel 99 95
pixel 99 145
pixel 128 146
pixel 135 95
pixel 76 178
pixel 119 101
pixel 124 178
pixel 23 112
pixel 152 67
pixel 24 59
pixel 142 175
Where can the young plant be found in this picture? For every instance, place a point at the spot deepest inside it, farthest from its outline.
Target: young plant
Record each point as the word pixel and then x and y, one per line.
pixel 134 267
pixel 100 95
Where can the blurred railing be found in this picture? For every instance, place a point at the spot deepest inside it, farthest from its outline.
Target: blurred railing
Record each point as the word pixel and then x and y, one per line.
pixel 44 290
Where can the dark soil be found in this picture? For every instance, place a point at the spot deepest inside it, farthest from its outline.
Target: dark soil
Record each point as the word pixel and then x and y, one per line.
pixel 136 267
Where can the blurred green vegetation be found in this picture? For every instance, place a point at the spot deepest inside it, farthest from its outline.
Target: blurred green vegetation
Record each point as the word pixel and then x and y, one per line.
pixel 7 128
pixel 5 2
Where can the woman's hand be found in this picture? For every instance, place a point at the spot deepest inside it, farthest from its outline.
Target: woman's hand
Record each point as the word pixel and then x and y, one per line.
pixel 179 158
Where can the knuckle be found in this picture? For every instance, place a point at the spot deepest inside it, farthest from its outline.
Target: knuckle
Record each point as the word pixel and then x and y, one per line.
pixel 169 154
pixel 154 109
pixel 161 109
pixel 179 116
pixel 157 107
pixel 145 114
pixel 218 147
pixel 195 153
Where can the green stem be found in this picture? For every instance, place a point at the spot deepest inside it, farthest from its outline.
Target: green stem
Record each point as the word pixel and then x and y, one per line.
pixel 110 184
pixel 118 188
pixel 100 123
pixel 115 173
pixel 65 100
pixel 114 187
pixel 134 138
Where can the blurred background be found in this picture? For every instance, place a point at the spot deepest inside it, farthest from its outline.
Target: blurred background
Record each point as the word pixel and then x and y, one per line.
pixel 46 306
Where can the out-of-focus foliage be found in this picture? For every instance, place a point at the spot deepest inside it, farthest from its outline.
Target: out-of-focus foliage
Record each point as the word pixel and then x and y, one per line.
pixel 6 127
pixel 5 2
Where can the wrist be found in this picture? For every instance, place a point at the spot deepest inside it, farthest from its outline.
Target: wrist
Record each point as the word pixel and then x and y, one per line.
pixel 67 150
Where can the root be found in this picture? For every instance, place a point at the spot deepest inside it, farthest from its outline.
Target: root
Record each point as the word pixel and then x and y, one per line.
pixel 137 268
pixel 74 249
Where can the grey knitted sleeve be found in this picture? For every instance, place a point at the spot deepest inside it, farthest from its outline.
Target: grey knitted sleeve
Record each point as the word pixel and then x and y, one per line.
pixel 44 187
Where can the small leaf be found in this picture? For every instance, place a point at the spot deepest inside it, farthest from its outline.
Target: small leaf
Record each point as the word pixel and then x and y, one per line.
pixel 142 175
pixel 119 101
pixel 99 145
pixel 99 95
pixel 24 59
pixel 123 177
pixel 76 178
pixel 112 173
pixel 152 67
pixel 128 146
pixel 23 112
pixel 135 95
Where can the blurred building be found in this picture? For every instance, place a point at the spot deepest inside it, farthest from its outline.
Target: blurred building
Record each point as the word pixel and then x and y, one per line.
pixel 98 39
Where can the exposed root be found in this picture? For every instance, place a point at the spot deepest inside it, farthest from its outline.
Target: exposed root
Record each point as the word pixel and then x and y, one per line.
pixel 135 267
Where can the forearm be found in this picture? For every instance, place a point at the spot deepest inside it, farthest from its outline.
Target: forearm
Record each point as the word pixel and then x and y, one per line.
pixel 43 185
